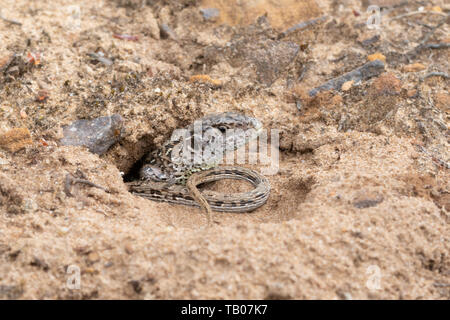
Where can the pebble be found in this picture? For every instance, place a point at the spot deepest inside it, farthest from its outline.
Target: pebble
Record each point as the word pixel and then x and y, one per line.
pixel 97 134
pixel 30 205
pixel 15 139
pixel 204 78
pixel 383 3
pixel 39 263
pixel 152 25
pixel 128 248
pixel 11 292
pixel 368 202
pixel 257 51
pixel 280 13
pixel 210 13
pixel 412 93
pixel 370 41
pixel 166 32
pixel 366 71
pixel 303 25
pixel 93 257
pixel 347 85
pixel 436 9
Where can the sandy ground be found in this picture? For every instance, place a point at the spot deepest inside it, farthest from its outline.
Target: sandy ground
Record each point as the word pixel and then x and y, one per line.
pixel 359 208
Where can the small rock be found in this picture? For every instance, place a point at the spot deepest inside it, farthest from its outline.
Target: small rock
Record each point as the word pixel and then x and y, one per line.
pixel 97 134
pixel 256 51
pixel 136 285
pixel 336 100
pixel 277 291
pixel 344 295
pixel 347 85
pixel 23 114
pixel 366 204
pixel 376 56
pixel 442 100
pixel 386 84
pixel 436 9
pixel 15 139
pixel 412 93
pixel 166 32
pixel 366 71
pixel 381 3
pixel 100 58
pixel 11 194
pixel 210 13
pixel 36 262
pixel 414 67
pixel 42 96
pixel 29 205
pixel 268 57
pixel 128 248
pixel 270 61
pixel 10 292
pixel 93 257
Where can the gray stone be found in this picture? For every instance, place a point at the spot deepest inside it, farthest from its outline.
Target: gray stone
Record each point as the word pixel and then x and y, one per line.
pixel 367 203
pixel 167 32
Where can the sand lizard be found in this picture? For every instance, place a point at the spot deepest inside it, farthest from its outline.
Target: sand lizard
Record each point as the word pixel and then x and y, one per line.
pixel 168 175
